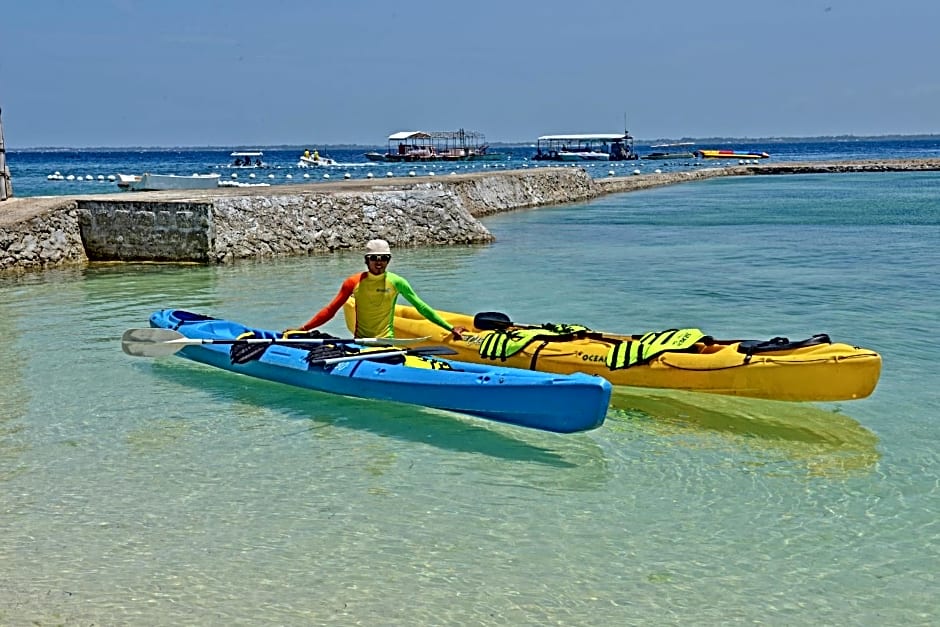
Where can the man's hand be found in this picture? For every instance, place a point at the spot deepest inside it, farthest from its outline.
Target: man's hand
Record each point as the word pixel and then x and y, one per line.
pixel 458 332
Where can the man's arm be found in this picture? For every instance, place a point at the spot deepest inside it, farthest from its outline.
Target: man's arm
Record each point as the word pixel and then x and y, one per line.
pixel 404 288
pixel 326 314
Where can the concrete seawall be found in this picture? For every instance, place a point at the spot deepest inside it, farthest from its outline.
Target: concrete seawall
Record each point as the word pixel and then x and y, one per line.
pixel 226 224
pixel 220 226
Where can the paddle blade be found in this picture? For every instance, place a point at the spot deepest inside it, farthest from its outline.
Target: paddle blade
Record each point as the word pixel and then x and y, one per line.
pixel 491 321
pixel 151 335
pixel 151 342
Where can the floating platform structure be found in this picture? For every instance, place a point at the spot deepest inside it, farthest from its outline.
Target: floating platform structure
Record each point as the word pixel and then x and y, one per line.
pixel 458 145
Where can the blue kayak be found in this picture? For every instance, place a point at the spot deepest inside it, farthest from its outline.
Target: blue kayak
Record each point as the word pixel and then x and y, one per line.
pixel 528 398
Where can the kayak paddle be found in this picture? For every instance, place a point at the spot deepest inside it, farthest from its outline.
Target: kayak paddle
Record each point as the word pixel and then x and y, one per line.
pixel 492 321
pixel 161 342
pixel 427 350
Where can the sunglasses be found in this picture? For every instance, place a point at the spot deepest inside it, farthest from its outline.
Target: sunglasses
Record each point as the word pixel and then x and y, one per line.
pixel 378 257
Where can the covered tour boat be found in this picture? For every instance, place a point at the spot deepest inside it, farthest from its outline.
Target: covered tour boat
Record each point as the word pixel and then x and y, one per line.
pixel 460 145
pixel 585 147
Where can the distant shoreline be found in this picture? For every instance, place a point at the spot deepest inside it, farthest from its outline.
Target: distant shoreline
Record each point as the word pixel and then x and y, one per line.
pixel 504 144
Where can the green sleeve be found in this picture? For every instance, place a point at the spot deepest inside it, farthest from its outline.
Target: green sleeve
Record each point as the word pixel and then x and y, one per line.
pixel 404 288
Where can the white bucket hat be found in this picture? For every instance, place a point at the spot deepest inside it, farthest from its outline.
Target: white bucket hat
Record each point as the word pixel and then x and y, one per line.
pixel 378 247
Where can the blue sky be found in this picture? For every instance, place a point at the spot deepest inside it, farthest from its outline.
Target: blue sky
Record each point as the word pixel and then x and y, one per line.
pixel 315 72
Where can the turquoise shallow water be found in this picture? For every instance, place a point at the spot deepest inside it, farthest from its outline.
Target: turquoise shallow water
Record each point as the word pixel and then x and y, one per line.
pixel 140 491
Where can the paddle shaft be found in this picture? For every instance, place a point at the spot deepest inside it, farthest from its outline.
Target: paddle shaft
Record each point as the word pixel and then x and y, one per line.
pixel 430 350
pixel 188 341
pixel 157 342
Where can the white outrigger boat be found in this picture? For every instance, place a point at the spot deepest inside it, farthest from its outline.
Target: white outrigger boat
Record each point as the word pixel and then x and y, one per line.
pixel 248 159
pixel 147 182
pixel 124 181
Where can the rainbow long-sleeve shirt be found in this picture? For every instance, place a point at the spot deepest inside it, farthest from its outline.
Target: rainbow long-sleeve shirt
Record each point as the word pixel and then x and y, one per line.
pixel 375 296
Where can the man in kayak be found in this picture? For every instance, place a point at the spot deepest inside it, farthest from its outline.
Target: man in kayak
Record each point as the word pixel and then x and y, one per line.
pixel 376 292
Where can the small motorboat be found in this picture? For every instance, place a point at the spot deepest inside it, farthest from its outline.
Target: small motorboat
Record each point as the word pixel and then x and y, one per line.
pixel 678 150
pixel 315 160
pixel 362 368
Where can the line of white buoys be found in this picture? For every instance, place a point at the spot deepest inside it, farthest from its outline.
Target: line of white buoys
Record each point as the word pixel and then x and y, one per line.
pixel 57 176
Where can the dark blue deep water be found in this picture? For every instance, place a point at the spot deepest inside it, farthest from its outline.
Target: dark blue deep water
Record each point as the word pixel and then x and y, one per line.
pixel 91 168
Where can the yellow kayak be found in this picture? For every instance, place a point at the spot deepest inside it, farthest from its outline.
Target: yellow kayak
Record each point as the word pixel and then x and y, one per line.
pixel 815 369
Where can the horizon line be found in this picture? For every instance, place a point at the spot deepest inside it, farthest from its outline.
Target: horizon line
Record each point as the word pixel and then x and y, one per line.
pixel 773 138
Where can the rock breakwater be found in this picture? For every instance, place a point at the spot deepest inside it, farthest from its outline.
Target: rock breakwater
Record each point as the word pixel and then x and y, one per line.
pixel 220 226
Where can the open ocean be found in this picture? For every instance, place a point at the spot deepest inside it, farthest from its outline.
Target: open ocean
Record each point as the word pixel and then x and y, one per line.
pixel 160 492
pixel 90 169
